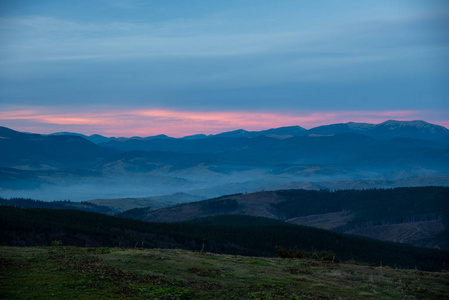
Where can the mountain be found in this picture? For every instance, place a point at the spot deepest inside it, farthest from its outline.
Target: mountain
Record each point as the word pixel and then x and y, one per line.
pixel 417 216
pixel 333 129
pixel 411 129
pixel 94 138
pixel 349 151
pixel 32 151
pixel 213 165
pixel 342 143
pixel 235 133
pixel 159 136
pixel 195 137
pixel 97 139
pixel 388 130
pixel 66 133
pixel 282 131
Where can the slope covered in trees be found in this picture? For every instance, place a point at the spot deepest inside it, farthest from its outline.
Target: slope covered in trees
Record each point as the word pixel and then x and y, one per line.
pixel 64 204
pixel 354 211
pixel 225 234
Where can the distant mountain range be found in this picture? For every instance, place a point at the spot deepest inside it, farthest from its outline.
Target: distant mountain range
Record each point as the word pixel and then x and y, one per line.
pixel 241 148
pixel 144 174
pixel 385 130
pixel 94 138
pixel 71 166
pixel 35 151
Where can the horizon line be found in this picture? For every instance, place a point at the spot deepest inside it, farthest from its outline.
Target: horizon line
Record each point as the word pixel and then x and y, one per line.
pixel 115 122
pixel 217 133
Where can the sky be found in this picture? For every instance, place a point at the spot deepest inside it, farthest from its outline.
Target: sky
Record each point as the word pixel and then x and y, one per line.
pixel 143 67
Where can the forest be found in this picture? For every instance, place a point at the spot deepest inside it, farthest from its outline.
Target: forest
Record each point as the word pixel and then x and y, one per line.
pixel 231 234
pixel 397 205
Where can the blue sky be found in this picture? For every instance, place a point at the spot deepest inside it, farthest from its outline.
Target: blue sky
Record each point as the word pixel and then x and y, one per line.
pixel 378 59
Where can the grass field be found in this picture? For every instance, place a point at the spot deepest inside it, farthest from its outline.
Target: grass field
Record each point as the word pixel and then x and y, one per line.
pixel 101 273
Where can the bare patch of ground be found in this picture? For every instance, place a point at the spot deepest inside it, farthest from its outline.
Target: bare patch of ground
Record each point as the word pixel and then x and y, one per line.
pixel 324 221
pixel 402 233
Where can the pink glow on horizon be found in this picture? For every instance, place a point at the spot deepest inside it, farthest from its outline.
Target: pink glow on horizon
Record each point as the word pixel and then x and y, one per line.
pixel 178 123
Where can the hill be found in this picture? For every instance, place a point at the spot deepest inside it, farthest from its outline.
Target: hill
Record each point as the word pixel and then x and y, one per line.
pixel 94 138
pixel 104 206
pixel 231 234
pixel 35 151
pixel 417 216
pixel 65 204
pixel 150 203
pixel 240 235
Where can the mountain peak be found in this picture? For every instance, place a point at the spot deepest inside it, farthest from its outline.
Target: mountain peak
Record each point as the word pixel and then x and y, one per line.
pixel 414 123
pixel 417 129
pixel 234 133
pixel 418 124
pixel 360 126
pixel 159 136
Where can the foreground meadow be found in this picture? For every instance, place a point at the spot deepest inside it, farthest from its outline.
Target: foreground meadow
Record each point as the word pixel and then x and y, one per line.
pixel 116 273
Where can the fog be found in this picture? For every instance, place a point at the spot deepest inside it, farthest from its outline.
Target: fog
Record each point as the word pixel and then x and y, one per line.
pixel 201 181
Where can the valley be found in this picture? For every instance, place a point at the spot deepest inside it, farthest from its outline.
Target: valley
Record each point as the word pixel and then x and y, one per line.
pixel 161 179
pixel 341 156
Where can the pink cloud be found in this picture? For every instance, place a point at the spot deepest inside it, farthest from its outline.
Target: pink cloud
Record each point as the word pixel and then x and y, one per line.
pixel 177 123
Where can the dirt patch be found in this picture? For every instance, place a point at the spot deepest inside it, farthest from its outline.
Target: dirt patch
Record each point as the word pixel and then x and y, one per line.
pixel 324 221
pixel 407 233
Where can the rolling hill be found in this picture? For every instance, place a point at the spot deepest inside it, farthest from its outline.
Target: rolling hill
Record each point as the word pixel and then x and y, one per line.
pixel 241 235
pixel 416 216
pixel 149 203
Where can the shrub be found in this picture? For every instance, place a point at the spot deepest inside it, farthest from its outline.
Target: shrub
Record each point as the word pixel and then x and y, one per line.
pixel 57 243
pixel 316 255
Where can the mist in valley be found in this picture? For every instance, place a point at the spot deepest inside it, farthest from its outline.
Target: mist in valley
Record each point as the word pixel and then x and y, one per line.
pixel 205 182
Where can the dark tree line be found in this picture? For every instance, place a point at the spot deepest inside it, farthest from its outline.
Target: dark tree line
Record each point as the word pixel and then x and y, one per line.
pixel 382 206
pixel 230 234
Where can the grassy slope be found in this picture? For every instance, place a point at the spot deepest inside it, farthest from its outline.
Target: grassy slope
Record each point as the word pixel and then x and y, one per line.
pixel 102 273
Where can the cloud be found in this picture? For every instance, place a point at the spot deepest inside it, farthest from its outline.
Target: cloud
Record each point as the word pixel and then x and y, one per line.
pixel 229 58
pixel 176 123
pixel 185 52
pixel 37 38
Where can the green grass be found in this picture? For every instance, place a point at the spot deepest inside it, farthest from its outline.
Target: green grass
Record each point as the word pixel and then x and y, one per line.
pixel 118 273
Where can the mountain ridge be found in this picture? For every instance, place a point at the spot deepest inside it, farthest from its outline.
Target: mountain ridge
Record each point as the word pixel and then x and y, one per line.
pixel 208 167
pixel 437 132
